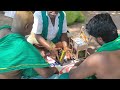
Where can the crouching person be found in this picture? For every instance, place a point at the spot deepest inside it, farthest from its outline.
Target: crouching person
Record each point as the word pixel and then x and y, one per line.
pixel 18 58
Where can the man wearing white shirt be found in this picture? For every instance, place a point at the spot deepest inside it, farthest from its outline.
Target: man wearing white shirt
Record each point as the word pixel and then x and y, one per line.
pixel 50 26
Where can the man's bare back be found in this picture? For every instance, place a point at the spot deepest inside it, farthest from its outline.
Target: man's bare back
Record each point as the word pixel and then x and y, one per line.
pixel 109 66
pixel 104 65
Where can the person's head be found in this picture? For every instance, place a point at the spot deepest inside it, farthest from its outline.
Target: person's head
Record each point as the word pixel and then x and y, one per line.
pixel 52 14
pixel 22 22
pixel 102 28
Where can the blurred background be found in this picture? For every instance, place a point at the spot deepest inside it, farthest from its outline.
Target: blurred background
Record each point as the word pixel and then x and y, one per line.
pixel 74 18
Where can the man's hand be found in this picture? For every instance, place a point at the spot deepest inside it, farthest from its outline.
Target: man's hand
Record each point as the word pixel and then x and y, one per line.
pixel 54 52
pixel 68 53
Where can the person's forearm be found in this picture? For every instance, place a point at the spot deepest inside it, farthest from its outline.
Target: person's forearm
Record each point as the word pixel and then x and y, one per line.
pixel 43 42
pixel 72 73
pixel 65 45
pixel 64 40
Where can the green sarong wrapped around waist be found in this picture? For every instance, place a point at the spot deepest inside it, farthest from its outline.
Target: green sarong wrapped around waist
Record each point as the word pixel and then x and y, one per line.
pixel 18 54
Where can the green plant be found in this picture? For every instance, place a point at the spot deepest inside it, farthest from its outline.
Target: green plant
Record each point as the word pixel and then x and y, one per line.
pixel 74 16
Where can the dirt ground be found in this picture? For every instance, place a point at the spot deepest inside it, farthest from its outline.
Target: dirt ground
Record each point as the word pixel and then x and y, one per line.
pixel 4 19
pixel 114 14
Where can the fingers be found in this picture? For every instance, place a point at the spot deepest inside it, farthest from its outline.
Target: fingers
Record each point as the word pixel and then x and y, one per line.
pixel 68 49
pixel 54 53
pixel 57 49
pixel 43 53
pixel 69 55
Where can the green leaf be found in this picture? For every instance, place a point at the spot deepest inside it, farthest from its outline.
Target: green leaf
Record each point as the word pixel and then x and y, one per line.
pixel 74 16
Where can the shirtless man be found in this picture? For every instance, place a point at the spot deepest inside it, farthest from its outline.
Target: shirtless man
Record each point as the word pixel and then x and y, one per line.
pixel 18 58
pixel 105 63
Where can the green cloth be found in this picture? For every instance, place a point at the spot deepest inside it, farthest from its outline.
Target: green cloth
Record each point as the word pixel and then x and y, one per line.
pixel 66 76
pixel 110 46
pixel 4 26
pixel 74 16
pixel 18 54
pixel 45 26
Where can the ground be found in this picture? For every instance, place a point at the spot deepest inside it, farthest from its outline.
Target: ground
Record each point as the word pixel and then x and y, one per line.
pixel 4 20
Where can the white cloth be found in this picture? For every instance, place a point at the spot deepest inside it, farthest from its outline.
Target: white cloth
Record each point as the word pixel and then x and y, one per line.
pixel 10 13
pixel 52 30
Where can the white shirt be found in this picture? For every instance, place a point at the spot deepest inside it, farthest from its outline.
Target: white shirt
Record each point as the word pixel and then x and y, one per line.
pixel 52 30
pixel 10 13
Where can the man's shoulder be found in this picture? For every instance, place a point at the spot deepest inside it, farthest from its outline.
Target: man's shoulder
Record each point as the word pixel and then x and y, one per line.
pixel 97 57
pixel 37 14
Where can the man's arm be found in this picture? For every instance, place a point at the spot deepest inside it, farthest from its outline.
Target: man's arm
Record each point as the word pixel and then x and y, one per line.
pixel 42 41
pixel 47 71
pixel 86 68
pixel 37 29
pixel 64 40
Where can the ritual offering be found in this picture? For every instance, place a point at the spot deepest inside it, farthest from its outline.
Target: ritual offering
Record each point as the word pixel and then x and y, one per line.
pixel 79 44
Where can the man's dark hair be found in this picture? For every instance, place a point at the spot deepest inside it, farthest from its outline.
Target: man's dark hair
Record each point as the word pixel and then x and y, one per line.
pixel 102 26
